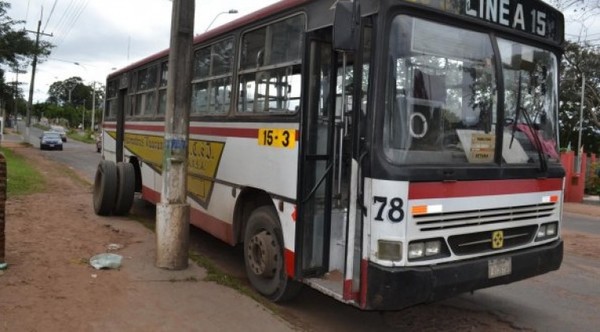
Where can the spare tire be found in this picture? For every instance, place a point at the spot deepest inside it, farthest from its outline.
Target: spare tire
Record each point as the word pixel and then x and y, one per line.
pixel 125 188
pixel 105 188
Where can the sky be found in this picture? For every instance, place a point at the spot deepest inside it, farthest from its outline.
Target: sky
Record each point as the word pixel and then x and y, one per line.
pixel 95 37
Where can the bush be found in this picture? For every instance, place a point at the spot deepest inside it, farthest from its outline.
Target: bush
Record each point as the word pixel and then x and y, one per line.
pixel 592 185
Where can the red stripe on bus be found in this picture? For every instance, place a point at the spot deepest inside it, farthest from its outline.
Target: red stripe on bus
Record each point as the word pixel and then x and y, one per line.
pixel 422 190
pixel 209 131
pixel 218 228
pixel 348 293
pixel 212 225
pixel 225 132
pixel 289 261
pixel 364 265
pixel 150 195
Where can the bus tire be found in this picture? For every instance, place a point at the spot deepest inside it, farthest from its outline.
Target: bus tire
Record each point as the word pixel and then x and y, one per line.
pixel 105 188
pixel 264 259
pixel 125 188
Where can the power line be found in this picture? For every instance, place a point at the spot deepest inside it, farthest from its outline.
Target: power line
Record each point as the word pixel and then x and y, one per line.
pixel 62 17
pixel 72 20
pixel 49 16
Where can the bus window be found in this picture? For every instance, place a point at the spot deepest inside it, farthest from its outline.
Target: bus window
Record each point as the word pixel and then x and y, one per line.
pixel 211 84
pixel 145 99
pixel 536 71
pixel 441 94
pixel 111 100
pixel 270 68
pixel 162 92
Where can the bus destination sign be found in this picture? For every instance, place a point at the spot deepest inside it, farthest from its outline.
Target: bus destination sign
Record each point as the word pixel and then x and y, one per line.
pixel 533 17
pixel 530 16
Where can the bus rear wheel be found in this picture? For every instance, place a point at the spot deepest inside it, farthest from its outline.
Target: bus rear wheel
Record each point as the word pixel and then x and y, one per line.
pixel 263 256
pixel 105 188
pixel 125 188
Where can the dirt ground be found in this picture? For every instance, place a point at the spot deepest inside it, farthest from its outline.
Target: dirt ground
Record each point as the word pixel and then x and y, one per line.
pixel 50 286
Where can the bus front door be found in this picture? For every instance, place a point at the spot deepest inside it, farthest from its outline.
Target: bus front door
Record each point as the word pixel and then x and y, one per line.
pixel 326 246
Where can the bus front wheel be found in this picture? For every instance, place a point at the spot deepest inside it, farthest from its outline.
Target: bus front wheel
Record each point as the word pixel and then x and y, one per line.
pixel 263 255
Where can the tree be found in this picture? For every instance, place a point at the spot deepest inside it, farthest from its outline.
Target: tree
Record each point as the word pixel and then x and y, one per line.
pixel 80 93
pixel 579 60
pixel 15 48
pixel 58 106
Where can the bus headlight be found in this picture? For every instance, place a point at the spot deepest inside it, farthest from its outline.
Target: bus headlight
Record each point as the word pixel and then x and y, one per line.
pixel 433 248
pixel 427 249
pixel 547 231
pixel 416 250
pixel 389 250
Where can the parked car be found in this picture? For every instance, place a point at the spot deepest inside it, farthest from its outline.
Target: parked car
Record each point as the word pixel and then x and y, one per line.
pixel 61 130
pixel 51 140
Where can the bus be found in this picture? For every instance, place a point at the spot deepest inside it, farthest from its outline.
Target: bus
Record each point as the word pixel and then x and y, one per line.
pixel 384 152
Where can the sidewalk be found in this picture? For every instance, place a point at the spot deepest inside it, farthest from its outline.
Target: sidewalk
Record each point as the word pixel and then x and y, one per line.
pixel 589 207
pixel 49 284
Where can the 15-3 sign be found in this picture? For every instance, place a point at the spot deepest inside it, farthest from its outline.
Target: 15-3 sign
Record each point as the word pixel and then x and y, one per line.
pixel 279 138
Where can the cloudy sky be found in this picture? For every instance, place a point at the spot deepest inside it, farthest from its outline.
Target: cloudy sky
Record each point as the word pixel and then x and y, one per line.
pixel 100 35
pixel 94 36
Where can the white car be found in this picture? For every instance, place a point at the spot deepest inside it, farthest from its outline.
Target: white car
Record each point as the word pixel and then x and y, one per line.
pixel 61 131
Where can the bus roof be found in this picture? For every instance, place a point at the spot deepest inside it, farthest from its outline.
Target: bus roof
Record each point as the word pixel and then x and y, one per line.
pixel 474 12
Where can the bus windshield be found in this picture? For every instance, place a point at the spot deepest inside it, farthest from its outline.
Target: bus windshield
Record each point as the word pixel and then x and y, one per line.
pixel 442 97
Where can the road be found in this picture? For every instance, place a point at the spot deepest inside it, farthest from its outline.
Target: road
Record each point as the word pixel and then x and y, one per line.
pixel 76 155
pixel 565 300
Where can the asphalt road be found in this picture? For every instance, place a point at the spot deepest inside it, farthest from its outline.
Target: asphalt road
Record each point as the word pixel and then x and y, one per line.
pixel 76 155
pixel 564 300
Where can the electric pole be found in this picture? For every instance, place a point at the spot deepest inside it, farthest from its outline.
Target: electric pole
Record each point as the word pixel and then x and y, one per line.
pixel 172 213
pixel 31 84
pixel 579 149
pixel 93 105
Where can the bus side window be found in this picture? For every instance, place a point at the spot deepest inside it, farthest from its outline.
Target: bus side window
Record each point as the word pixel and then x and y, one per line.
pixel 270 68
pixel 211 84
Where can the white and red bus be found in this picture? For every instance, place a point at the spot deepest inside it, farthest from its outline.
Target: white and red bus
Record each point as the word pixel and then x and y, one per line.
pixel 386 153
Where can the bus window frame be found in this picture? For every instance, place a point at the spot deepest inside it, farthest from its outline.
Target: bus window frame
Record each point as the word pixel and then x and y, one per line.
pixel 298 63
pixel 211 78
pixel 136 93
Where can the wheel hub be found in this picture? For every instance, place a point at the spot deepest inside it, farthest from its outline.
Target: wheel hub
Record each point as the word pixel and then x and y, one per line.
pixel 262 254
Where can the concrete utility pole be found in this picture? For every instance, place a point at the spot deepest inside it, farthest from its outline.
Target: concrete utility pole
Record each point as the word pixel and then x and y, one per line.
pixel 172 213
pixel 579 149
pixel 93 105
pixel 31 84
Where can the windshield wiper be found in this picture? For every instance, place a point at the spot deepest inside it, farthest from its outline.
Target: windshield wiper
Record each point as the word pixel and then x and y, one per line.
pixel 534 134
pixel 517 113
pixel 536 139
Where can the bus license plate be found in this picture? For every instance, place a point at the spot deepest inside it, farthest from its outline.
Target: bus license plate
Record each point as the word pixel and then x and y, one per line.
pixel 498 267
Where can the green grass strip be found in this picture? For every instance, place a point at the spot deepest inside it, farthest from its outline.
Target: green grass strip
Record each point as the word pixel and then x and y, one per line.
pixel 23 179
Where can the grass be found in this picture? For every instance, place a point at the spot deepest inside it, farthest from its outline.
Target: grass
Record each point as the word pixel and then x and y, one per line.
pixel 23 179
pixel 85 137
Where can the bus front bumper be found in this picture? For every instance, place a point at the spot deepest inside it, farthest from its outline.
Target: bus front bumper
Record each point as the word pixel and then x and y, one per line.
pixel 397 288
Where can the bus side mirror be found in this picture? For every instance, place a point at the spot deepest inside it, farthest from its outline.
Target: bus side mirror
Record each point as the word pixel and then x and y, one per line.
pixel 346 26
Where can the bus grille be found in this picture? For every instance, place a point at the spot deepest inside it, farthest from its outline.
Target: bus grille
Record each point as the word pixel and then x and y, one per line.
pixel 477 243
pixel 470 218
